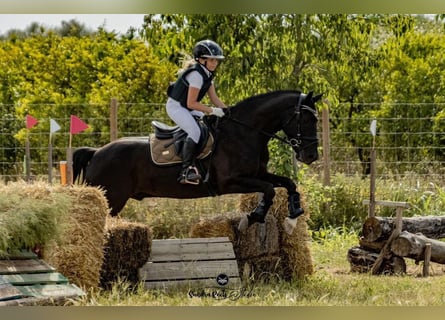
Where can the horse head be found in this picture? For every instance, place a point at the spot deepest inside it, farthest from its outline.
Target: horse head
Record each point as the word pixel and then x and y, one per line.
pixel 300 127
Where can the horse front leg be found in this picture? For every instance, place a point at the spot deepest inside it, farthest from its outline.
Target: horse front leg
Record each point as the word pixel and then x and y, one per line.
pixel 250 185
pixel 258 215
pixel 294 203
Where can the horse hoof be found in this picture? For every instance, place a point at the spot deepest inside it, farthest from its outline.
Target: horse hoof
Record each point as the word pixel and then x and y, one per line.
pixel 289 225
pixel 243 224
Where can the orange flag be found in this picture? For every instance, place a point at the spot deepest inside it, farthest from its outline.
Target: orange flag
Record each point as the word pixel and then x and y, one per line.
pixel 77 125
pixel 30 121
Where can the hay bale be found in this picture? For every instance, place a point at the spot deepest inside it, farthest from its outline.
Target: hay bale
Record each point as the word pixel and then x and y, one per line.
pixel 295 255
pixel 265 249
pixel 219 226
pixel 66 224
pixel 79 255
pixel 127 249
pixel 30 215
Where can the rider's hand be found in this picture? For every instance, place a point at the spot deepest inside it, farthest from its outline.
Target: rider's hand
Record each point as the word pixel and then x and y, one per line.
pixel 217 112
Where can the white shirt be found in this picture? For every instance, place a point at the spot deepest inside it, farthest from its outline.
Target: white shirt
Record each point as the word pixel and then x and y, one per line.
pixel 195 80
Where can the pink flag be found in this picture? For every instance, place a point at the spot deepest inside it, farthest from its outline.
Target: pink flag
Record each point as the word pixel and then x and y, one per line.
pixel 30 121
pixel 77 125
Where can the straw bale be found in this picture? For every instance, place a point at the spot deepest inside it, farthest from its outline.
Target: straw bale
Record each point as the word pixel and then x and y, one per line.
pixel 127 249
pixel 80 255
pixel 294 253
pixel 30 216
pixel 219 226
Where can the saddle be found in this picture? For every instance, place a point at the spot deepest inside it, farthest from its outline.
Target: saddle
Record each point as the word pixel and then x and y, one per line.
pixel 167 141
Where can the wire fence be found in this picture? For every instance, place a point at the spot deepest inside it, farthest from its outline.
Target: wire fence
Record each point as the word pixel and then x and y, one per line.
pixel 407 143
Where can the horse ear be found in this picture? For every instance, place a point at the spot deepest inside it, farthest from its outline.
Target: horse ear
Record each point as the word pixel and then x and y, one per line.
pixel 309 95
pixel 317 97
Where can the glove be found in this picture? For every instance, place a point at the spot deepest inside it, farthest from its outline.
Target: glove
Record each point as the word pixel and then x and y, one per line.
pixel 217 112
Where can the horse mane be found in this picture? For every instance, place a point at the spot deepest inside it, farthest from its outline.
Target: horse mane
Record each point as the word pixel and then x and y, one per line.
pixel 253 100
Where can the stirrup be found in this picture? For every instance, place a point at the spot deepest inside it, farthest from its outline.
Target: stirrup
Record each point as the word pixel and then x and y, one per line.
pixel 184 178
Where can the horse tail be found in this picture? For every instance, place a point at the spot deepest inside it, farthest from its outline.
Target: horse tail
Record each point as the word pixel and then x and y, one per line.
pixel 81 159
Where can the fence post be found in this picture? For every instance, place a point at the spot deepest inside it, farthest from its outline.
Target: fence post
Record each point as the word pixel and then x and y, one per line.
pixel 113 119
pixel 326 148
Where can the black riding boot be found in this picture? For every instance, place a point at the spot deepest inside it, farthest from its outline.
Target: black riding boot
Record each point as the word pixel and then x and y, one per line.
pixel 189 173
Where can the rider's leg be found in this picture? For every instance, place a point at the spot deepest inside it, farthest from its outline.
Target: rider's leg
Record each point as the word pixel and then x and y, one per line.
pixel 185 119
pixel 189 173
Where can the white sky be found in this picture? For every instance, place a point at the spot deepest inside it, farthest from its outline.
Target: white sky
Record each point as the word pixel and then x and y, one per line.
pixel 112 22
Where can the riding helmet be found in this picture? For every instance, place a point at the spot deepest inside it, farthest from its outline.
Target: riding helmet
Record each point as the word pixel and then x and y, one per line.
pixel 207 49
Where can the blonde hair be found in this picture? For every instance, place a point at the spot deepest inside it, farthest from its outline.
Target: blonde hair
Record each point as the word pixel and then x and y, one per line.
pixel 187 62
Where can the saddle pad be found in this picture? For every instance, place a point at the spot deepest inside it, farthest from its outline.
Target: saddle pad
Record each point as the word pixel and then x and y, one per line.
pixel 162 155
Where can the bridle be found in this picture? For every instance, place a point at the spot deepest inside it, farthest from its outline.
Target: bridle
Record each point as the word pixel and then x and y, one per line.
pixel 293 142
pixel 297 141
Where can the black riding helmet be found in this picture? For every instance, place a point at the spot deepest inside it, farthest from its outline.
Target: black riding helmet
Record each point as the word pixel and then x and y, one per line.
pixel 207 49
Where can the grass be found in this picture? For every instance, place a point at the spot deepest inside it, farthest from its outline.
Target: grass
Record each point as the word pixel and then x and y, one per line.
pixel 331 285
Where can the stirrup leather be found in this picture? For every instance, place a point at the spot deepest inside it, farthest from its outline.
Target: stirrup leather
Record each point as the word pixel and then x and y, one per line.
pixel 190 171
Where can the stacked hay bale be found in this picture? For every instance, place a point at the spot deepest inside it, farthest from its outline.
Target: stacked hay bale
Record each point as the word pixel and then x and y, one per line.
pixel 64 225
pixel 30 216
pixel 127 248
pixel 79 254
pixel 265 250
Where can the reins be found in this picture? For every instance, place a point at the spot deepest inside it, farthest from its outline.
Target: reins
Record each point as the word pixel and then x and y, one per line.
pixel 293 142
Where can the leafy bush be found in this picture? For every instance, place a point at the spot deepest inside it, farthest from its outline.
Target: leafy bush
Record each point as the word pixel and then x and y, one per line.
pixel 342 203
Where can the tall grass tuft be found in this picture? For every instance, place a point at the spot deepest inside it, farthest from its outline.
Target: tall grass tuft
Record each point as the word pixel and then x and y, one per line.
pixel 29 218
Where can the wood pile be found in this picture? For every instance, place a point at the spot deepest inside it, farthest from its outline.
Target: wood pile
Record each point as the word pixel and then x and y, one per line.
pixel 386 241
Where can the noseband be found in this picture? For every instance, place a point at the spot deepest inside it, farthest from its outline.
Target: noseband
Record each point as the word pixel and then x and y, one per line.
pixel 297 141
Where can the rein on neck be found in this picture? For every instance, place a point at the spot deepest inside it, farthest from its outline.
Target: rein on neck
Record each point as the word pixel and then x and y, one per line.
pixel 293 142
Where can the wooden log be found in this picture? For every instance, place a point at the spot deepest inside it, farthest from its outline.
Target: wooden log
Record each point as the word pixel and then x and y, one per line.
pixel 426 262
pixel 380 228
pixel 413 246
pixel 362 261
pixel 386 251
pixel 374 246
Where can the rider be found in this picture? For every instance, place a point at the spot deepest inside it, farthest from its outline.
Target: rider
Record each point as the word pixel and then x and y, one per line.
pixel 183 103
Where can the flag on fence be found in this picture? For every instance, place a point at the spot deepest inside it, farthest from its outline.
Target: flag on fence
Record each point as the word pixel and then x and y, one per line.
pixel 30 121
pixel 373 127
pixel 77 125
pixel 53 126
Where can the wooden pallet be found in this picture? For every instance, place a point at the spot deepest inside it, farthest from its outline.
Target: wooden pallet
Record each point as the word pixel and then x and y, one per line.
pixel 194 262
pixel 27 280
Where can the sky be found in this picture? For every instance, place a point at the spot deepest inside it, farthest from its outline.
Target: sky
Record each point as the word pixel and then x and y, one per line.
pixel 112 22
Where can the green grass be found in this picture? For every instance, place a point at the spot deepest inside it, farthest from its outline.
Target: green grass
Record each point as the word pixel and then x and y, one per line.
pixel 338 213
pixel 331 285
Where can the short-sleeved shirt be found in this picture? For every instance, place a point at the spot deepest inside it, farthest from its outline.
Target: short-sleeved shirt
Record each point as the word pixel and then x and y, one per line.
pixel 195 79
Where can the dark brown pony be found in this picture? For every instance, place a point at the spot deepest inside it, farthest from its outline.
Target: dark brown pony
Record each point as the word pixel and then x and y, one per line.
pixel 237 164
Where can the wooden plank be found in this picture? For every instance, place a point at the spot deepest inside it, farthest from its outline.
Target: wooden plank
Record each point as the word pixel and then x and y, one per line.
pixel 167 251
pixel 24 266
pixel 188 270
pixel 35 278
pixel 189 240
pixel 21 254
pixel 51 291
pixel 393 204
pixel 8 291
pixel 191 283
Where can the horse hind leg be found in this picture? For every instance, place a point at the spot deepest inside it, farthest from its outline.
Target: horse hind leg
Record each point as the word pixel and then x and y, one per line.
pixel 116 203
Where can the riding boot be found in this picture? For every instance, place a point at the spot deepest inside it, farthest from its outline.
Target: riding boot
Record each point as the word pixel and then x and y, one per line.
pixel 189 173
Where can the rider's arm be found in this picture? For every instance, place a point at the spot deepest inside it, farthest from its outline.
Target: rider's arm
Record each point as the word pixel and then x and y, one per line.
pixel 193 103
pixel 214 97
